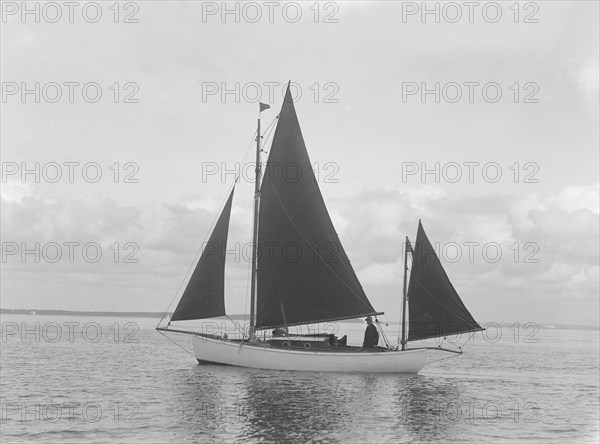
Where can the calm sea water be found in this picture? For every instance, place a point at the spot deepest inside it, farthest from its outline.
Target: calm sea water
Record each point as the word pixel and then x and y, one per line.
pixel 118 380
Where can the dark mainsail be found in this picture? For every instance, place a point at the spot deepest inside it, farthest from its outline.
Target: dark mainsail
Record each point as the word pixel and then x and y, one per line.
pixel 435 309
pixel 205 292
pixel 304 275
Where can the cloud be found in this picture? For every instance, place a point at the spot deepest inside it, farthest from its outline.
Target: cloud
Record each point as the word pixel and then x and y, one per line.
pixel 14 191
pixel 576 197
pixel 542 242
pixel 558 234
pixel 589 80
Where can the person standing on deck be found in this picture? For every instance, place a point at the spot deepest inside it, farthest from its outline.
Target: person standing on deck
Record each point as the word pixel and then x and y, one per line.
pixel 371 334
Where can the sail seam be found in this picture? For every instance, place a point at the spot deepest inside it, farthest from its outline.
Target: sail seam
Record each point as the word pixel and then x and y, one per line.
pixel 315 251
pixel 458 315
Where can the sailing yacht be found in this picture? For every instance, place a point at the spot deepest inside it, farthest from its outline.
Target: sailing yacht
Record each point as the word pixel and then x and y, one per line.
pixel 313 286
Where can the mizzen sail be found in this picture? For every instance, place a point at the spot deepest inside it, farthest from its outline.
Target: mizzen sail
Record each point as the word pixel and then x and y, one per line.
pixel 205 292
pixel 304 274
pixel 434 307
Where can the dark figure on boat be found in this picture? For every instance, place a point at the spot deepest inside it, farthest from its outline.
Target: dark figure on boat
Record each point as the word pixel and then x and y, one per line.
pixel 371 334
pixel 335 342
pixel 281 331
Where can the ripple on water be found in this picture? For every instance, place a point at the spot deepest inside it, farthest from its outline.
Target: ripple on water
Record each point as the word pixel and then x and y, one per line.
pixel 151 391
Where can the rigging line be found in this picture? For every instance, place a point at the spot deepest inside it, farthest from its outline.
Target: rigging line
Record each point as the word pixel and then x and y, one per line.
pixel 177 344
pixel 315 251
pixel 253 139
pixel 468 339
pixel 212 226
pixel 387 342
pixel 269 129
pixel 471 334
pixel 267 134
pixel 236 326
pixel 453 355
pixel 383 335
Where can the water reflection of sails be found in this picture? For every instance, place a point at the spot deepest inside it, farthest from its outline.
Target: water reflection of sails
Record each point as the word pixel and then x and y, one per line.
pixel 428 409
pixel 208 400
pixel 287 407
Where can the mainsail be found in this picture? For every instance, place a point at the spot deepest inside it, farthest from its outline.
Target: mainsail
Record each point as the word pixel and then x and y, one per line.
pixel 204 295
pixel 304 275
pixel 435 309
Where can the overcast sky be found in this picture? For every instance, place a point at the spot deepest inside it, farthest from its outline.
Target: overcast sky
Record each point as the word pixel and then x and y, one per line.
pixel 528 158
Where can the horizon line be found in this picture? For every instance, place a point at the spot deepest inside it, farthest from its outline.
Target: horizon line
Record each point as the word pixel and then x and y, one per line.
pixel 146 314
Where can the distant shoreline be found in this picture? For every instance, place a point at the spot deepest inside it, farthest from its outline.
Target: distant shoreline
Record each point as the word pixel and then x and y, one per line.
pixel 81 313
pixel 123 314
pixel 237 317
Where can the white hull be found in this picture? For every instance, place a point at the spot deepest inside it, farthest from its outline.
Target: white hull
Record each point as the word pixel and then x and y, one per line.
pixel 263 355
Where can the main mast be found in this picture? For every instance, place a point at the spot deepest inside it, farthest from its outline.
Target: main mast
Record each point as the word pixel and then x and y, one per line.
pixel 403 341
pixel 255 232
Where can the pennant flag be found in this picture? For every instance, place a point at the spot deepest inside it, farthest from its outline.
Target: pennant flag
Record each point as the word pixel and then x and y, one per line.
pixel 263 106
